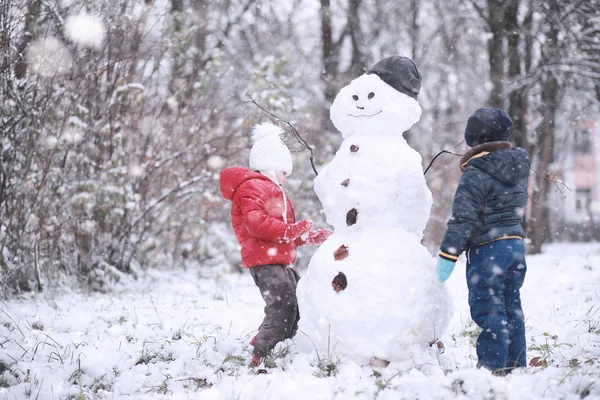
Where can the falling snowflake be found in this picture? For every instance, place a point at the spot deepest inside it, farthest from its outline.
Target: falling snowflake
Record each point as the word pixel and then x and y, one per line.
pixel 48 57
pixel 215 162
pixel 86 30
pixel 51 142
pixel 73 134
pixel 135 170
pixel 497 270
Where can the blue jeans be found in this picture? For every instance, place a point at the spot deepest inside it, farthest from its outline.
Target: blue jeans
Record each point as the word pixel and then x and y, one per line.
pixel 495 274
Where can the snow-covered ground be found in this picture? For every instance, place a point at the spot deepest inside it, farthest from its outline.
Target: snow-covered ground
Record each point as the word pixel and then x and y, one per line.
pixel 175 335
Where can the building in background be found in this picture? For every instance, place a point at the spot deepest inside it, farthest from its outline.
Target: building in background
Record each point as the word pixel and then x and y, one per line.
pixel 580 217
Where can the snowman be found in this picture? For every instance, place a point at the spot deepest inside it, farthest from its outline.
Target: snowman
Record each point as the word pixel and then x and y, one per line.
pixel 370 291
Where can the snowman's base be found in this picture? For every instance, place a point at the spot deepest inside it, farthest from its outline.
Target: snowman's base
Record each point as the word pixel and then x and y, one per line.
pixel 376 362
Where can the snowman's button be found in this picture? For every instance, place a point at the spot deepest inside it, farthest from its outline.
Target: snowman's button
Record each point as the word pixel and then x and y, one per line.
pixel 351 217
pixel 346 182
pixel 340 253
pixel 354 148
pixel 340 282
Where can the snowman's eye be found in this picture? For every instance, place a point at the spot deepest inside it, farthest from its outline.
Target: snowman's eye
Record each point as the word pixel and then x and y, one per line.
pixel 355 97
pixel 371 95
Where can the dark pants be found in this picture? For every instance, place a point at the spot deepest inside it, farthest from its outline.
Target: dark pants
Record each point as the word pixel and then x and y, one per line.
pixel 495 274
pixel 277 284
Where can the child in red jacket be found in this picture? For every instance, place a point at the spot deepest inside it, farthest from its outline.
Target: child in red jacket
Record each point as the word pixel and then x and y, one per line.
pixel 263 221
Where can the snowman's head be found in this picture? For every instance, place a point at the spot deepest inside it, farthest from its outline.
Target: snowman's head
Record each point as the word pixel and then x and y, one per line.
pixel 382 102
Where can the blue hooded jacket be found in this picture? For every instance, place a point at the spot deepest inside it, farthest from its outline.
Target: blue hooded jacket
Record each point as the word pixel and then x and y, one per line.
pixel 490 200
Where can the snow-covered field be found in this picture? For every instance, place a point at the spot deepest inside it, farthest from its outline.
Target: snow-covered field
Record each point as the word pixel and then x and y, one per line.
pixel 175 335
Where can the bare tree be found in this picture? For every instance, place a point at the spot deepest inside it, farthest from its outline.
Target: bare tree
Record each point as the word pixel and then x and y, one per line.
pixel 495 17
pixel 330 49
pixel 539 228
pixel 519 48
pixel 32 15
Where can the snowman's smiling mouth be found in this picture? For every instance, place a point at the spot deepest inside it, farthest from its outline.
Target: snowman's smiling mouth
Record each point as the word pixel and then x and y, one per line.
pixel 365 115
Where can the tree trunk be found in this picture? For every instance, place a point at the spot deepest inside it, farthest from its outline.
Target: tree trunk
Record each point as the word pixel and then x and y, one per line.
pixel 414 27
pixel 33 13
pixel 519 64
pixel 177 51
pixel 329 58
pixel 199 41
pixel 517 98
pixel 496 21
pixel 588 45
pixel 5 42
pixel 358 62
pixel 539 229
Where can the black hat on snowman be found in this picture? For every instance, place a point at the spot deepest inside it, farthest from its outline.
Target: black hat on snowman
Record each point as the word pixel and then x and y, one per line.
pixel 399 72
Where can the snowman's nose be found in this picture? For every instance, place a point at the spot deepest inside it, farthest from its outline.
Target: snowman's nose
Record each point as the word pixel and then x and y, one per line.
pixel 360 108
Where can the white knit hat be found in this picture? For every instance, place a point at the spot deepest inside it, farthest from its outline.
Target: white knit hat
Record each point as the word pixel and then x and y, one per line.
pixel 269 153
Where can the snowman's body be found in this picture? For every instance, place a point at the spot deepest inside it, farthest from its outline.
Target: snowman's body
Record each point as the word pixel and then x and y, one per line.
pixel 375 196
pixel 385 184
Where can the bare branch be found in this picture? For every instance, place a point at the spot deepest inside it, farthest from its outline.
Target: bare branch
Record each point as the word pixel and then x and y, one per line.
pixel 553 180
pixel 447 151
pixel 299 138
pixel 480 11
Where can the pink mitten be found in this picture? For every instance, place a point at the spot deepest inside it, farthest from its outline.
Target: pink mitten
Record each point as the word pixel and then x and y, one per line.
pixel 317 237
pixel 297 229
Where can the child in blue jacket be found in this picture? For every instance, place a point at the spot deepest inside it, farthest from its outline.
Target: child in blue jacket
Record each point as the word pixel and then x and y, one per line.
pixel 486 222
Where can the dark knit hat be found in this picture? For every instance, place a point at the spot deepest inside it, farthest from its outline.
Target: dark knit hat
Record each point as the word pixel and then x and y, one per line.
pixel 487 125
pixel 399 72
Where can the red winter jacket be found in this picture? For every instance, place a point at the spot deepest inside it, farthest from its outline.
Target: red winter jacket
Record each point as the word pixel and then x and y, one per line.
pixel 256 217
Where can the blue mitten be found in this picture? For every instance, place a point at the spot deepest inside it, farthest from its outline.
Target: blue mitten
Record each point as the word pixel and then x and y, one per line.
pixel 444 269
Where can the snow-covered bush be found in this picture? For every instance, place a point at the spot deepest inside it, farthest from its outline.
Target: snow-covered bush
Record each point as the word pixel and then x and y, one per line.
pixel 105 165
